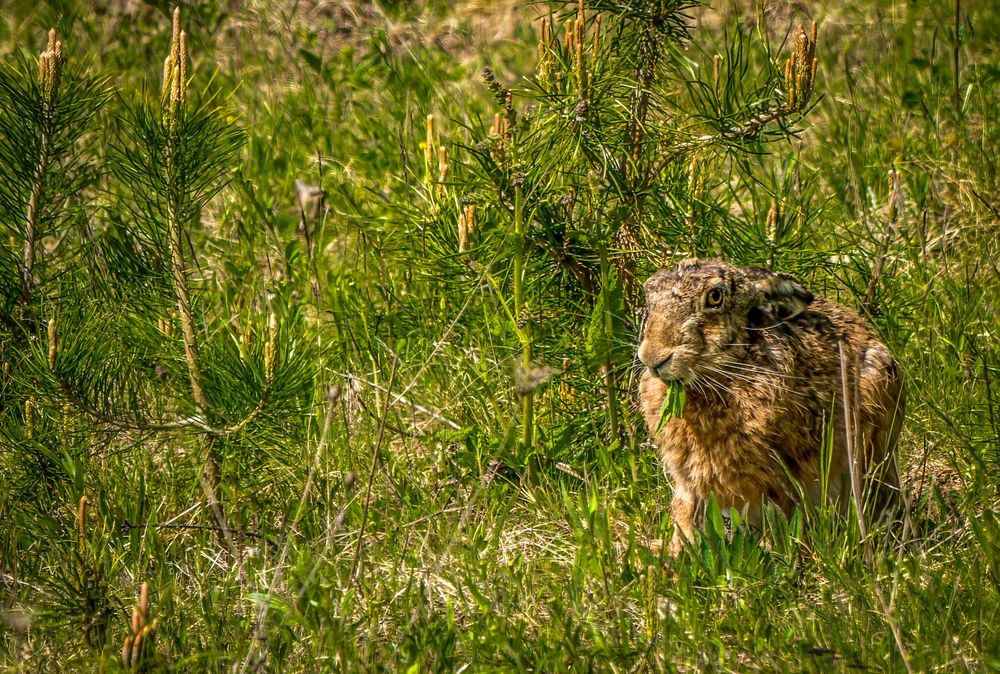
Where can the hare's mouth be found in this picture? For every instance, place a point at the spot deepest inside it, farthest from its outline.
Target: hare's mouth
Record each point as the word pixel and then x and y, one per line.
pixel 662 368
pixel 670 370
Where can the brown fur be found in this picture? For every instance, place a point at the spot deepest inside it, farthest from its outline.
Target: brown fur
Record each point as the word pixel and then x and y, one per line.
pixel 762 374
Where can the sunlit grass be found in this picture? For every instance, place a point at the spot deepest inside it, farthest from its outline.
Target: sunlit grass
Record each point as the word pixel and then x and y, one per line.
pixel 401 373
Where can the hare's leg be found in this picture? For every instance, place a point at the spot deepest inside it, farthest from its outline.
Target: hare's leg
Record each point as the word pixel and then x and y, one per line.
pixel 682 511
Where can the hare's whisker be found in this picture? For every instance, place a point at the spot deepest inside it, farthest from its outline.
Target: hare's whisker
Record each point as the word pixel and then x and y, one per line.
pixel 793 395
pixel 748 367
pixel 702 387
pixel 761 382
pixel 717 385
pixel 757 380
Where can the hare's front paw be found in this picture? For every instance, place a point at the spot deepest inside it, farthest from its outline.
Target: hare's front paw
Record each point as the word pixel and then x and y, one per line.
pixel 676 544
pixel 682 510
pixel 673 548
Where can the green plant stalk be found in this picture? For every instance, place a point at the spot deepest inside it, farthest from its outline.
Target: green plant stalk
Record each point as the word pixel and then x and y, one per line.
pixel 523 332
pixel 610 379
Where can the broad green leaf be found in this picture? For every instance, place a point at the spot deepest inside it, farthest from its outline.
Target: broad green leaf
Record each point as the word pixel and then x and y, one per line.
pixel 673 404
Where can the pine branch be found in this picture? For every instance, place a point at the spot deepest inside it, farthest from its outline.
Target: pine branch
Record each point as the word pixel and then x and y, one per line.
pixel 196 422
pixel 174 97
pixel 50 66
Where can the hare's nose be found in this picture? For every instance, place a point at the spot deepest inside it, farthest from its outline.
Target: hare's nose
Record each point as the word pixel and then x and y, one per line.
pixel 658 368
pixel 654 358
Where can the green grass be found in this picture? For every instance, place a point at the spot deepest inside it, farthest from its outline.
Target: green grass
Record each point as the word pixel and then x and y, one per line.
pixel 383 510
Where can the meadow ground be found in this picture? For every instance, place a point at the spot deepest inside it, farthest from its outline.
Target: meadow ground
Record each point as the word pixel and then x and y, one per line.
pixel 321 358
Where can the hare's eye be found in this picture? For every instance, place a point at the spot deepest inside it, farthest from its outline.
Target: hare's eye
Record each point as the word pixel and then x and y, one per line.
pixel 714 298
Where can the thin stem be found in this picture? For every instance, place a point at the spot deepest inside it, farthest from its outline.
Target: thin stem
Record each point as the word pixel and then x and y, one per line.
pixel 355 565
pixel 851 435
pixel 200 527
pixel 610 379
pixel 955 56
pixel 34 204
pixel 523 331
pixel 181 287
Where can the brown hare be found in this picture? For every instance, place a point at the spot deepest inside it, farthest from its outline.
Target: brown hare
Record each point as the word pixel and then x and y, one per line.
pixel 769 372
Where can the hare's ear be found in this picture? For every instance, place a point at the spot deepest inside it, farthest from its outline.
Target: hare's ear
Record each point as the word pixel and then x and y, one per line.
pixel 780 296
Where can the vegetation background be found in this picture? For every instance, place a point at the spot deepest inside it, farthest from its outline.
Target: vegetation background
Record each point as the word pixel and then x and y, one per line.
pixel 317 340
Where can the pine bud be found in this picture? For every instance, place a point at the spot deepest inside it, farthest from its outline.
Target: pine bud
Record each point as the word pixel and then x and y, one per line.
pixel 175 69
pixel 144 601
pixel 29 416
pixel 81 524
pixel 442 164
pixel 771 224
pixel 544 50
pixel 429 148
pixel 895 197
pixel 136 646
pixel 50 66
pixel 466 227
pixel 52 344
pixel 800 70
pixel 579 44
pixel 270 346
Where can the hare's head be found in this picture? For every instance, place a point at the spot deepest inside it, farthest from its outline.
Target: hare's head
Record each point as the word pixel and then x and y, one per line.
pixel 702 314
